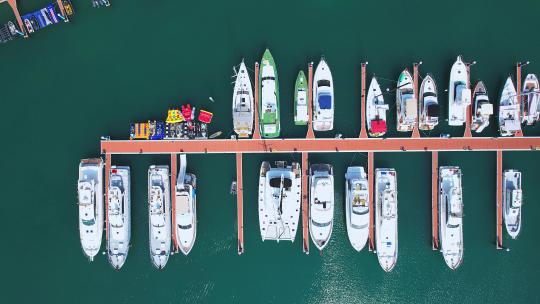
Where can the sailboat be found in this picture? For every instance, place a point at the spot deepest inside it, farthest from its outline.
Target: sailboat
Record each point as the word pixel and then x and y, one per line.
pixel 512 202
pixel 321 204
pixel 186 208
pixel 300 100
pixel 429 104
pixel 269 99
pixel 483 109
pixel 280 194
pixel 119 215
pixel 459 93
pixel 375 110
pixel 406 103
pixel 90 201
pixel 323 98
pixel 509 122
pixel 386 218
pixel 451 216
pixel 530 108
pixel 159 215
pixel 242 106
pixel 357 207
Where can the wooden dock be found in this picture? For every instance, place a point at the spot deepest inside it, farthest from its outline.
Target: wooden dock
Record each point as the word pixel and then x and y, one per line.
pixel 174 172
pixel 435 200
pixel 240 203
pixel 498 205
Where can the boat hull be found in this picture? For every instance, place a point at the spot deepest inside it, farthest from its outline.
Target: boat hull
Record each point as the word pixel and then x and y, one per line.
pixel 269 116
pixel 186 218
pixel 458 93
pixel 357 217
pixel 90 196
pixel 300 100
pixel 483 109
pixel 159 222
pixel 512 214
pixel 509 122
pixel 243 103
pixel 386 218
pixel 321 208
pixel 323 98
pixel 428 100
pixel 406 104
pixel 375 110
pixel 530 99
pixel 119 225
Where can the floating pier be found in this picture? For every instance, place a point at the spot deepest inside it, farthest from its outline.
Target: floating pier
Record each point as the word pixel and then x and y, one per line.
pixel 518 94
pixel 256 129
pixel 499 220
pixel 371 202
pixel 107 173
pixel 363 127
pixel 305 203
pixel 240 203
pixel 468 114
pixel 174 172
pixel 415 131
pixel 435 200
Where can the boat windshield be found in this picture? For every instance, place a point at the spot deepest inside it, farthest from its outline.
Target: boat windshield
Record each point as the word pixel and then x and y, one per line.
pixel 276 182
pixel 317 224
pixel 323 83
pixel 268 78
pixel 184 227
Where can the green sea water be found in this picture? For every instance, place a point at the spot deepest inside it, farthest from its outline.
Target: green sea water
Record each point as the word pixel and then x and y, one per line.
pixel 70 84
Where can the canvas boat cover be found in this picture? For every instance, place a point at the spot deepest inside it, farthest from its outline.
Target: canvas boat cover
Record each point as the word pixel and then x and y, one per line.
pixel 378 126
pixel 432 109
pixel 205 116
pixel 325 101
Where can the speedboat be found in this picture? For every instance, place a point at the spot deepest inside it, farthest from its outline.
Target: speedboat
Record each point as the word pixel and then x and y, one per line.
pixel 483 109
pixel 323 98
pixel 459 93
pixel 375 110
pixel 512 201
pixel 406 104
pixel 451 216
pixel 300 100
pixel 242 106
pixel 357 207
pixel 321 204
pixel 280 194
pixel 509 123
pixel 269 99
pixel 28 25
pixel 386 218
pixel 530 100
pixel 159 207
pixel 429 104
pixel 119 216
pixel 186 208
pixel 90 200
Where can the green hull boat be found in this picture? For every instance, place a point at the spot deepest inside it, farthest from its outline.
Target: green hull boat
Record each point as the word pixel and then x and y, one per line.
pixel 269 97
pixel 300 100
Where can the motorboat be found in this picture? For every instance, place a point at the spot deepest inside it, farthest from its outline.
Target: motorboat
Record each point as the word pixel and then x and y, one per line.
pixel 243 103
pixel 429 104
pixel 459 93
pixel 451 216
pixel 509 122
pixel 323 98
pixel 483 109
pixel 185 213
pixel 119 215
pixel 386 218
pixel 90 201
pixel 159 215
pixel 406 104
pixel 300 100
pixel 530 99
pixel 512 202
pixel 269 99
pixel 375 110
pixel 321 204
pixel 357 207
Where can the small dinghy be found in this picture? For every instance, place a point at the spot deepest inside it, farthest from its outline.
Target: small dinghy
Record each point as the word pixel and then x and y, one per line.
pixel 186 208
pixel 429 104
pixel 321 204
pixel 509 123
pixel 375 110
pixel 357 208
pixel 159 215
pixel 243 102
pixel 300 100
pixel 119 215
pixel 90 201
pixel 323 98
pixel 451 216
pixel 386 218
pixel 459 93
pixel 406 104
pixel 530 100
pixel 483 109
pixel 269 118
pixel 512 202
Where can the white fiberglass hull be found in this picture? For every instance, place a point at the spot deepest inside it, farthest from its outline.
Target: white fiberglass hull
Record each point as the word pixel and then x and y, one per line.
pixel 186 213
pixel 406 103
pixel 90 200
pixel 458 93
pixel 321 204
pixel 357 207
pixel 386 218
pixel 509 122
pixel 375 109
pixel 243 103
pixel 323 98
pixel 119 216
pixel 451 222
pixel 483 109
pixel 429 104
pixel 512 200
pixel 530 100
pixel 159 205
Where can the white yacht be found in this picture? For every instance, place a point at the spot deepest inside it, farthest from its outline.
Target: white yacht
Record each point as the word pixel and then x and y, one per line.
pixel 119 215
pixel 90 200
pixel 186 208
pixel 321 204
pixel 459 93
pixel 280 195
pixel 386 218
pixel 451 216
pixel 159 207
pixel 429 104
pixel 375 110
pixel 406 104
pixel 512 200
pixel 323 98
pixel 242 106
pixel 509 123
pixel 357 207
pixel 530 108
pixel 483 109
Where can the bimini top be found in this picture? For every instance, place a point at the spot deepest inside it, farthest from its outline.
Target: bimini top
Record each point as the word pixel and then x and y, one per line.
pixel 325 101
pixel 378 126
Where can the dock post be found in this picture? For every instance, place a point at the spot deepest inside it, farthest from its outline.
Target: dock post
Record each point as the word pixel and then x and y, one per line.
pixel 415 132
pixel 107 174
pixel 305 204
pixel 310 133
pixel 371 201
pixel 435 200
pixel 468 113
pixel 363 127
pixel 518 96
pixel 240 203
pixel 256 127
pixel 499 200
pixel 13 4
pixel 174 172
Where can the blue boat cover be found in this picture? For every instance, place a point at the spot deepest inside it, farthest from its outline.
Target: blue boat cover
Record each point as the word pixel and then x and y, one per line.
pixel 325 101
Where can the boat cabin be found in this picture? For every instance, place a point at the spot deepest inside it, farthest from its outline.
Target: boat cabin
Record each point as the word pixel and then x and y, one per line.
pixel 389 207
pixel 515 198
pixel 463 95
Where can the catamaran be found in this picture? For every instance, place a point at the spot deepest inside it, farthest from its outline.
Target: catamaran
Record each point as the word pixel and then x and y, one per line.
pixel 90 200
pixel 357 208
pixel 242 106
pixel 300 99
pixel 186 208
pixel 429 104
pixel 323 98
pixel 530 100
pixel 375 110
pixel 386 218
pixel 159 207
pixel 509 123
pixel 451 216
pixel 321 204
pixel 280 194
pixel 406 104
pixel 483 109
pixel 459 93
pixel 119 215
pixel 269 99
pixel 512 200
